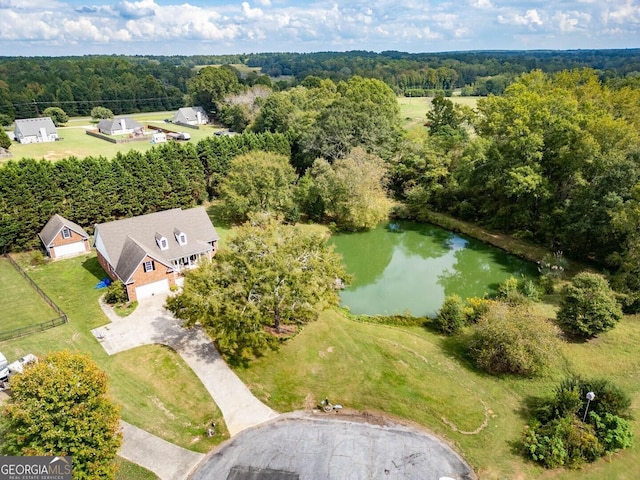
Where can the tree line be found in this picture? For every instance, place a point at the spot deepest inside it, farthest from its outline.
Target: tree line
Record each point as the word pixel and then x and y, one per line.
pixel 130 84
pixel 96 189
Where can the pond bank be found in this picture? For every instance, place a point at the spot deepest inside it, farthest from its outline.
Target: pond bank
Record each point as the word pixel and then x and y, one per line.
pixel 522 249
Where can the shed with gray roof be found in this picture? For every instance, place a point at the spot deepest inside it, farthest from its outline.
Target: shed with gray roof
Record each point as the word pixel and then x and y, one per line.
pixel 149 252
pixel 35 130
pixel 64 238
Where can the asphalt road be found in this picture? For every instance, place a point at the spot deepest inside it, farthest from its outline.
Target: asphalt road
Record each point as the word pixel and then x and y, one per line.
pixel 308 446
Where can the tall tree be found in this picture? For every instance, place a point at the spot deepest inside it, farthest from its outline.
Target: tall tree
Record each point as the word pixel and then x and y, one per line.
pixel 211 85
pixel 59 406
pixel 271 275
pixel 258 182
pixel 352 191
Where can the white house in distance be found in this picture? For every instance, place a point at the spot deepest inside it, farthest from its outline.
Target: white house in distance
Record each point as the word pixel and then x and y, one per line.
pixel 118 126
pixel 35 130
pixel 148 253
pixel 191 116
pixel 64 238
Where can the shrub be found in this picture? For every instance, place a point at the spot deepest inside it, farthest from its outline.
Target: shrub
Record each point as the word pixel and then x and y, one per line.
pixel 588 306
pixel 518 292
pixel 99 113
pixel 477 307
pixel 614 432
pixel 511 340
pixel 559 436
pixel 564 441
pixel 116 293
pixel 451 317
pixel 58 116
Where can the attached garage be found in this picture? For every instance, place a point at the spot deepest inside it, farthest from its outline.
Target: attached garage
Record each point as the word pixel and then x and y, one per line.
pixel 69 249
pixel 151 289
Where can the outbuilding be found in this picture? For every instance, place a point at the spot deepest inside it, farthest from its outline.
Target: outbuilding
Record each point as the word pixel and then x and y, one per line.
pixel 64 238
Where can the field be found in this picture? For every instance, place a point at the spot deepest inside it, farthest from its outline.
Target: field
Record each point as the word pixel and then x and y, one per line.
pixel 75 142
pixel 21 304
pixel 414 374
pixel 414 109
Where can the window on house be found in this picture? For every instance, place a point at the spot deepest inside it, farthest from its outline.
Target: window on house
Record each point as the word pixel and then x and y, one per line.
pixel 164 244
pixel 148 266
pixel 66 233
pixel 182 239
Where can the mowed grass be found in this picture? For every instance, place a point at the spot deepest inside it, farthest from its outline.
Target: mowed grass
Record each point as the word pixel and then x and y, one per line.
pixel 76 143
pixel 416 375
pixel 20 303
pixel 157 391
pixel 413 110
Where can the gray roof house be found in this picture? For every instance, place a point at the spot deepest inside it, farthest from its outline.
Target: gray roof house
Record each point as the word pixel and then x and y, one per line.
pixel 148 253
pixel 118 126
pixel 35 130
pixel 64 238
pixel 191 116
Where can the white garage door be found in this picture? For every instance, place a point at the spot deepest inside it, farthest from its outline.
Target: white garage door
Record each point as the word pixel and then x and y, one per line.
pixel 151 289
pixel 69 249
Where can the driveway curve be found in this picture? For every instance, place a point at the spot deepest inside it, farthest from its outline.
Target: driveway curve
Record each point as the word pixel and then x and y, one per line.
pixel 150 323
pixel 308 446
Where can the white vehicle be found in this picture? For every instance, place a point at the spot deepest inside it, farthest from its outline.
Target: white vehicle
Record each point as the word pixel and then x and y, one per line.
pixel 184 136
pixel 18 365
pixel 9 370
pixel 4 371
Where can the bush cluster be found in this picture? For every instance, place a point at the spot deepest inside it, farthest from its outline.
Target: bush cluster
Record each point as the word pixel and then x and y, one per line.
pixel 116 293
pixel 568 430
pixel 512 340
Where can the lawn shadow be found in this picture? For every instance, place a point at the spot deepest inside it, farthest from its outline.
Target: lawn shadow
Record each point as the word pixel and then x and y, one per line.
pixel 92 266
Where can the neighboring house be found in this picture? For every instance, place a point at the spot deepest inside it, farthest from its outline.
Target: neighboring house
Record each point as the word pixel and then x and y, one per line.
pixel 191 116
pixel 118 126
pixel 148 253
pixel 35 130
pixel 63 238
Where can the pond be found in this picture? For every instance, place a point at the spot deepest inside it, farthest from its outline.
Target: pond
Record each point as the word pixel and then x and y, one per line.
pixel 407 267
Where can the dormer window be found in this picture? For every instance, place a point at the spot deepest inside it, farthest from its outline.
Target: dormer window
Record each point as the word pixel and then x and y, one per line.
pixel 162 242
pixel 181 237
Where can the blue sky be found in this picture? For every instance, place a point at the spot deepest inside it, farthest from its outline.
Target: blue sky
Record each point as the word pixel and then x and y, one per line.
pixel 189 27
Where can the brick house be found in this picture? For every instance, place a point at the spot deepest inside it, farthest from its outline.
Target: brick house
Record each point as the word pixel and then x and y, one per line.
pixel 63 238
pixel 149 252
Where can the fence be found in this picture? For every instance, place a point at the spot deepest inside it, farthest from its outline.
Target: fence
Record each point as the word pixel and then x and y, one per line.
pixel 37 327
pixel 108 138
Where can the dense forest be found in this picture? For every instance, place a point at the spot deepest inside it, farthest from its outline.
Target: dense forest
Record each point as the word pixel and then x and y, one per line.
pixel 128 84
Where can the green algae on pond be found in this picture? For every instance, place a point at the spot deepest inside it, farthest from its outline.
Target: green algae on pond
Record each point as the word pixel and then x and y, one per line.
pixel 407 267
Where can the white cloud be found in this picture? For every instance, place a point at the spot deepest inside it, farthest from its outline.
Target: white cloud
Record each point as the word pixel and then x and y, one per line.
pixel 277 25
pixel 481 4
pixel 251 13
pixel 530 18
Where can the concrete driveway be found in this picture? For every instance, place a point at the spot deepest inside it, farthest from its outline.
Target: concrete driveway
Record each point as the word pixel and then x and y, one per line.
pixel 307 446
pixel 150 323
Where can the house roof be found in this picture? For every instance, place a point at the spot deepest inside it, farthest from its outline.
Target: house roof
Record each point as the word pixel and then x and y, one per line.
pixel 28 127
pixel 112 124
pixel 190 114
pixel 128 241
pixel 53 227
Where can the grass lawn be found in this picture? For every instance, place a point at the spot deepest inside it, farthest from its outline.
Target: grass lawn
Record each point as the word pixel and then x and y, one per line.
pixel 75 142
pixel 158 392
pixel 131 471
pixel 414 109
pixel 20 302
pixel 414 374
